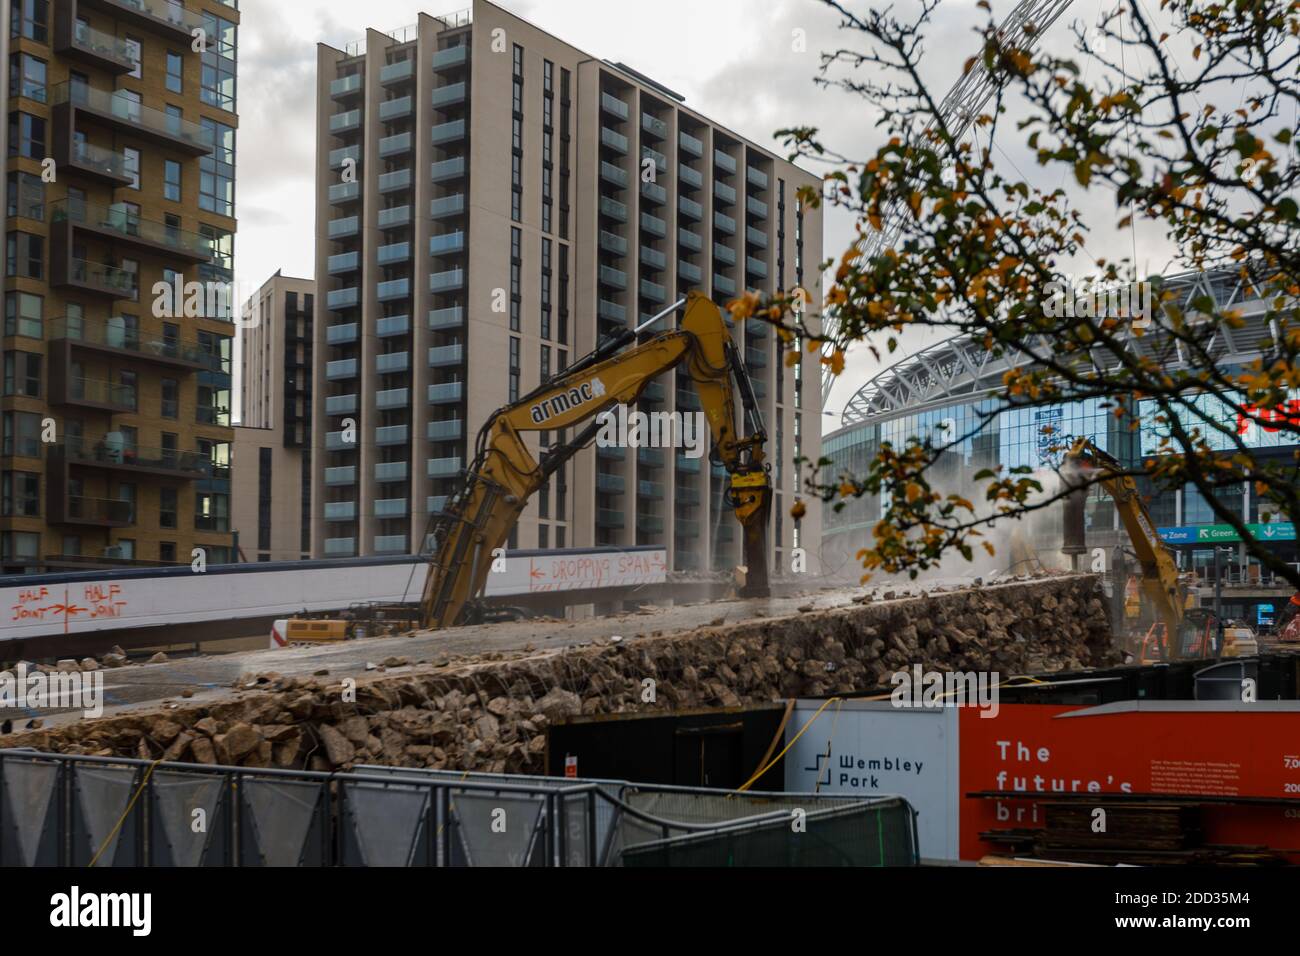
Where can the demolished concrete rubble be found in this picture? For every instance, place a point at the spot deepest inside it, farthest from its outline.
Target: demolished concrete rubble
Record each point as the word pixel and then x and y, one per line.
pixel 489 714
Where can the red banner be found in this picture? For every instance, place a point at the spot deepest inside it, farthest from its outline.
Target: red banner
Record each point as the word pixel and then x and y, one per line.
pixel 1041 752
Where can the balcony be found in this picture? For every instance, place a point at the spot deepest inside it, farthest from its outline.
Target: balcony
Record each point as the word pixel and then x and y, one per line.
pixel 608 518
pixel 340 511
pixel 689 240
pixel 387 472
pixel 724 192
pixel 77 40
pixel 687 466
pixel 444 467
pixel 395 109
pixel 614 106
pixel 653 291
pixel 756 177
pixel 164 17
pixel 689 177
pixel 344 228
pixel 654 225
pixel 452 132
pixel 118 224
pixel 396 145
pixel 614 278
pixel 394 217
pixel 613 174
pixel 654 192
pixel 344 193
pixel 345 122
pixel 341 334
pixel 612 243
pixel 397 72
pixel 96 162
pixel 341 477
pixel 757 208
pixel 341 370
pixel 341 155
pixel 338 299
pixel 448 393
pixel 346 85
pixel 650 457
pixel 450 95
pixel 391 325
pixel 113 454
pixel 724 223
pixel 612 140
pixel 724 254
pixel 392 253
pixel 655 127
pixel 686 529
pixel 343 263
pixel 612 312
pixel 391 508
pixel 450 57
pixel 756 237
pixel 340 441
pixel 610 484
pixel 392 363
pixel 93 393
pixel 390 544
pixel 443 320
pixel 723 161
pixel 341 405
pixel 92 277
pixel 392 398
pixel 689 271
pixel 396 180
pixel 724 285
pixel 685 495
pixel 447 206
pixel 114 339
pixel 448 281
pixel 649 524
pixel 340 547
pixel 690 208
pixel 610 453
pixel 450 243
pixel 392 435
pixel 613 209
pixel 122 113
pixel 443 356
pixel 448 169
pixel 91 512
pixel 687 400
pixel 691 144
pixel 436 504
pixel 654 258
pixel 651 490
pixel 393 289
pixel 452 429
pixel 756 358
pixel 660 160
pixel 755 267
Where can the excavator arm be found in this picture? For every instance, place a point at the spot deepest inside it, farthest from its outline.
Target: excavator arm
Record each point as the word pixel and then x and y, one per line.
pixel 1159 569
pixel 504 475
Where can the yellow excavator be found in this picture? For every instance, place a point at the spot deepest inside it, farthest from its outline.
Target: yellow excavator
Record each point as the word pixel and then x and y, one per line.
pixel 504 475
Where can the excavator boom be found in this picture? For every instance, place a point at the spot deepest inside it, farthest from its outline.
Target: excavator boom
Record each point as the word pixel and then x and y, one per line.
pixel 477 521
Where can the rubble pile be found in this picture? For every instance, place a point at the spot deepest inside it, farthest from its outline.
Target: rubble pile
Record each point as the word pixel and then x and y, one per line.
pixel 492 713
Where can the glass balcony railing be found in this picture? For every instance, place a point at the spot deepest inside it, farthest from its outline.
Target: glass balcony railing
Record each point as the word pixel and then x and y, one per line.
pixel 441 320
pixel 392 362
pixel 393 252
pixel 449 95
pixel 346 85
pixel 339 156
pixel 391 508
pixel 608 518
pixel 448 430
pixel 120 283
pixel 389 471
pixel 610 484
pixel 449 243
pixel 447 206
pixel 689 271
pixel 393 289
pixel 756 237
pixel 392 398
pixel 165 13
pixel 345 121
pixel 345 192
pixel 115 333
pixel 449 132
pixel 394 217
pixel 660 160
pixel 723 161
pixel 613 174
pixel 340 547
pixel 756 267
pixel 444 467
pixel 111 451
pixel 392 435
pixel 341 404
pixel 653 258
pixel 448 169
pixel 450 57
pixel 121 221
pixel 613 243
pixel 341 334
pixel 448 393
pixel 441 356
pixel 691 144
pixel 343 298
pixel 689 240
pixel 612 312
pixel 756 177
pixel 724 192
pixel 100 160
pixel 128 111
pixel 614 106
pixel 102 44
pixel 653 126
pixel 724 254
pixel 395 145
pixel 724 285
pixel 342 228
pixel 343 263
pixel 390 544
pixel 615 141
pixel 654 192
pixel 755 358
pixel 690 208
pixel 342 369
pixel 615 278
pixel 341 477
pixel 396 72
pixel 613 209
pixel 340 511
pixel 398 179
pixel 399 108
pixel 654 225
pixel 653 291
pixel 650 524
pixel 757 208
pixel 447 281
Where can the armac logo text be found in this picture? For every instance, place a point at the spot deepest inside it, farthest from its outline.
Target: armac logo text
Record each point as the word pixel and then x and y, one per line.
pixel 562 402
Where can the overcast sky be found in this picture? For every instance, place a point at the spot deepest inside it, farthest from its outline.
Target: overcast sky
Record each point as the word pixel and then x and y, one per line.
pixel 732 60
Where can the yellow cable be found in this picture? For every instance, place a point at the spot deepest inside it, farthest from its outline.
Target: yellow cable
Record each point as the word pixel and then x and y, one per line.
pixel 750 782
pixel 125 813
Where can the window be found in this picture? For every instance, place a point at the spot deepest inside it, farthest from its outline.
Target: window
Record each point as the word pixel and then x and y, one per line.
pixel 516 265
pixel 131 165
pixel 26 196
pixel 264 492
pixel 167 552
pixel 223 248
pixel 218 86
pixel 514 369
pixel 30 19
pixel 171 180
pixel 125 548
pixel 19 546
pixel 22 435
pixel 167 509
pixel 23 315
pixel 134 53
pixel 126 390
pixel 175 72
pixel 171 398
pixel 563 337
pixel 20 495
pixel 22 374
pixel 546 288
pixel 559 536
pixel 26 135
pixel 24 255
pixel 27 77
pixel 127 492
pixel 217 171
pixel 71 546
pixel 543 537
pixel 516 160
pixel 546 362
pixel 211 512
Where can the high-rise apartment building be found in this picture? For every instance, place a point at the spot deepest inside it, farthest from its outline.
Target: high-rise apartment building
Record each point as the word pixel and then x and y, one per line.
pixel 115 404
pixel 272 459
pixel 491 202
